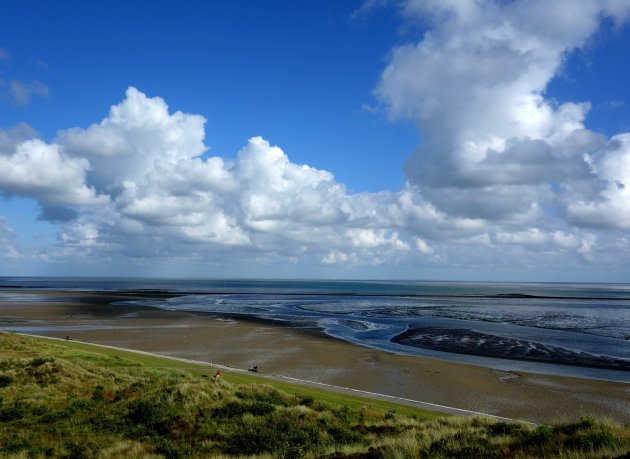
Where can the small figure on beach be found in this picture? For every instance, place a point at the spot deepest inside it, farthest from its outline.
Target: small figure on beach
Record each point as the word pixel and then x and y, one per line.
pixel 253 368
pixel 67 337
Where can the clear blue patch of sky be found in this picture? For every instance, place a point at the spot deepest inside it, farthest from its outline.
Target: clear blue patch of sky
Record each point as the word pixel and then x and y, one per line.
pixel 22 217
pixel 599 73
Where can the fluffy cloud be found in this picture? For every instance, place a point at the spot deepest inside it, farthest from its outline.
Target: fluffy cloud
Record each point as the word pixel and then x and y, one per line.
pixel 136 135
pixel 139 184
pixel 474 85
pixel 530 236
pixel 611 207
pixel 39 170
pixel 162 193
pixel 12 137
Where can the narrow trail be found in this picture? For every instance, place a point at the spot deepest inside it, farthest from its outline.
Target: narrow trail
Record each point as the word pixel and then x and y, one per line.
pixel 303 382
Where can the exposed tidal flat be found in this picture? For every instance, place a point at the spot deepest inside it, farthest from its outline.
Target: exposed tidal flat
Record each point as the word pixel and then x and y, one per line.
pixel 311 332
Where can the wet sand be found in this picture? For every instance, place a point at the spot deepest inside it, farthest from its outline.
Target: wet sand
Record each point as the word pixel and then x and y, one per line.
pixel 307 354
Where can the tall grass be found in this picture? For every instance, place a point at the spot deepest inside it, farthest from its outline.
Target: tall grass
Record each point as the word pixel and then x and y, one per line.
pixel 58 401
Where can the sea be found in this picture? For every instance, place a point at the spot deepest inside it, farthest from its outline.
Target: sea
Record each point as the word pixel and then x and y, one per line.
pixel 574 329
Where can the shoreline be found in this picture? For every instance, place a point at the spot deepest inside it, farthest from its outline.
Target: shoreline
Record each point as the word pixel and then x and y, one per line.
pixel 496 362
pixel 308 355
pixel 345 390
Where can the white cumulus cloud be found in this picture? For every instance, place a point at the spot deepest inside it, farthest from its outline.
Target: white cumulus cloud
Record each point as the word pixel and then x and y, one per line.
pixel 39 170
pixel 136 135
pixel 475 86
pixel 611 207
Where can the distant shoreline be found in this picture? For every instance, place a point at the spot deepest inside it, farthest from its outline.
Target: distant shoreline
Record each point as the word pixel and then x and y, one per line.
pixel 307 355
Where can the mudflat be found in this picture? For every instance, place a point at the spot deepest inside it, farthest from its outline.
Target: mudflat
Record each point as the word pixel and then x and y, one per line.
pixel 307 354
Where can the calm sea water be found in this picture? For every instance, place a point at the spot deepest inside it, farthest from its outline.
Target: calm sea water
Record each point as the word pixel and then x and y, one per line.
pixel 570 329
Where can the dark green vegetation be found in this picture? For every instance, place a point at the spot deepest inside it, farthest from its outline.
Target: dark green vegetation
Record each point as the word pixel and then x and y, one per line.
pixel 64 399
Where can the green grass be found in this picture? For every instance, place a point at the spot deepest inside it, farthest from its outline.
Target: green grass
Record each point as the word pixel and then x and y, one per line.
pixel 118 358
pixel 69 399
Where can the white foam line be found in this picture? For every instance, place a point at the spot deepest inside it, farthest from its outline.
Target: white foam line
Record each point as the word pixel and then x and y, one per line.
pixel 341 389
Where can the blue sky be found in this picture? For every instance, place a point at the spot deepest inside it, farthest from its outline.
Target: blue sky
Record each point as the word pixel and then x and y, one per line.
pixel 415 139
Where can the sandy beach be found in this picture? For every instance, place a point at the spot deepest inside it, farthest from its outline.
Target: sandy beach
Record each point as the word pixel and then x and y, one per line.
pixel 307 354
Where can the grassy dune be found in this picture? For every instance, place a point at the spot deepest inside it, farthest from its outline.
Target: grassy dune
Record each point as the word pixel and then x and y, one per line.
pixel 67 399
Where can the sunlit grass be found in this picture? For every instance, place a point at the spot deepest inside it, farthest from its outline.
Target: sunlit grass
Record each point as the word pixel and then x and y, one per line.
pixel 68 399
